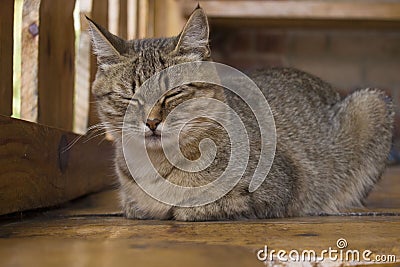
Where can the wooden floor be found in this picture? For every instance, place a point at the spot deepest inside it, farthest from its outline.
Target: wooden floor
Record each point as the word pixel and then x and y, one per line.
pixel 92 232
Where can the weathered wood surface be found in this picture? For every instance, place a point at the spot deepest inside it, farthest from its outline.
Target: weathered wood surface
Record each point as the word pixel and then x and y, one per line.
pixel 110 241
pixel 91 232
pixel 36 172
pixel 358 13
pixel 30 60
pixel 6 56
pixel 56 63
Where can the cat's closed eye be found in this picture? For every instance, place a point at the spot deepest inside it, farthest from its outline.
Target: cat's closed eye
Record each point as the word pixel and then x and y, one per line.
pixel 104 95
pixel 172 100
pixel 113 94
pixel 174 93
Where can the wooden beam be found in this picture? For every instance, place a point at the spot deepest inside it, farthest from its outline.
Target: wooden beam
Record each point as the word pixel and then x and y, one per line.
pixel 6 56
pixel 37 170
pixel 318 24
pixel 29 60
pixel 56 63
pixel 332 10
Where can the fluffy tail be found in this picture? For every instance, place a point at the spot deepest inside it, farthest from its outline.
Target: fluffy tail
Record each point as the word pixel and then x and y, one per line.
pixel 362 137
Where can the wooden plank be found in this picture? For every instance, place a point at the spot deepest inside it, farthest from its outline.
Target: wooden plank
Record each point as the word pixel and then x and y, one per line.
pixel 6 56
pixel 143 18
pixel 100 15
pixel 37 170
pixel 30 60
pixel 132 19
pixel 56 63
pixel 318 24
pixel 169 19
pixel 82 74
pixel 150 29
pixel 113 16
pixel 332 10
pixel 167 243
pixel 123 19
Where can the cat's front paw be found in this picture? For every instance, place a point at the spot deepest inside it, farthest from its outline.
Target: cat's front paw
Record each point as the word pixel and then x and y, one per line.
pixel 192 214
pixel 131 211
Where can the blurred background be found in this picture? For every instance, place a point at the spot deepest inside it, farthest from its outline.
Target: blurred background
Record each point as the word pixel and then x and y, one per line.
pixel 349 45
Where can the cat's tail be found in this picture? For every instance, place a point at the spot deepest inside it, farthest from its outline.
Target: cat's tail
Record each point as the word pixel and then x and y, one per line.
pixel 362 137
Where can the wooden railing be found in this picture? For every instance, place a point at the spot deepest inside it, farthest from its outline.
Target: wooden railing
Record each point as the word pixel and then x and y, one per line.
pixel 55 76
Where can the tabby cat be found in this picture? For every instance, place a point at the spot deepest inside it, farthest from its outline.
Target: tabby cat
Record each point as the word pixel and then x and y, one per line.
pixel 329 152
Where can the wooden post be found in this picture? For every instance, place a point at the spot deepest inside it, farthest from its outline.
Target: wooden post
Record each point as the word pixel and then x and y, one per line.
pixel 82 74
pixel 132 19
pixel 143 15
pixel 169 18
pixel 113 16
pixel 100 15
pixel 150 19
pixel 56 63
pixel 29 60
pixel 123 19
pixel 6 56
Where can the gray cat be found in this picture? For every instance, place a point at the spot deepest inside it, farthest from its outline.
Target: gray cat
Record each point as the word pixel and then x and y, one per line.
pixel 329 152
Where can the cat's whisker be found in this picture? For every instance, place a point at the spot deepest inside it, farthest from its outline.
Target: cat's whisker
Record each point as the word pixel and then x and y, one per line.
pixel 75 140
pixel 72 143
pixel 95 102
pixel 129 138
pixel 99 134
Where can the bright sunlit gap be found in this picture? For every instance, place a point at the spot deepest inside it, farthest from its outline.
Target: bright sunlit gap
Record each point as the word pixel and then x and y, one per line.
pixel 17 59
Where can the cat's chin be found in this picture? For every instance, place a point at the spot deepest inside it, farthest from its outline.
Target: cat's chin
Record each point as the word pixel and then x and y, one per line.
pixel 153 142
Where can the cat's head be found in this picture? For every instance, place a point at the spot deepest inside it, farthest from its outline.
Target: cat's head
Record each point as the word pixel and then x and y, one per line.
pixel 123 66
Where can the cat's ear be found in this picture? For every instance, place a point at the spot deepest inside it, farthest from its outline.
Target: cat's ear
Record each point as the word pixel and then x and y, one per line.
pixel 194 38
pixel 106 46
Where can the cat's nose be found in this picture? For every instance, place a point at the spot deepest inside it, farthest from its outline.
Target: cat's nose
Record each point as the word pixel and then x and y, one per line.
pixel 153 123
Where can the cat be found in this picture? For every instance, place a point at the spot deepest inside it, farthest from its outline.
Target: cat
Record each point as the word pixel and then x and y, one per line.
pixel 329 152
